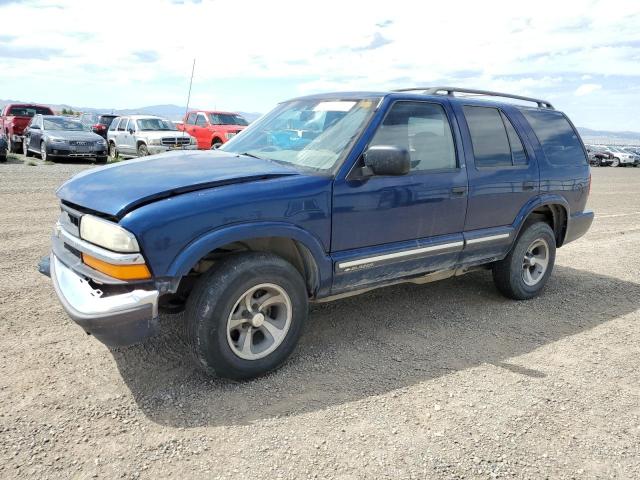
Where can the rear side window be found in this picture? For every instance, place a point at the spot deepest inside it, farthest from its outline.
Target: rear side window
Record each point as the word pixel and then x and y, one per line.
pixel 559 141
pixel 489 137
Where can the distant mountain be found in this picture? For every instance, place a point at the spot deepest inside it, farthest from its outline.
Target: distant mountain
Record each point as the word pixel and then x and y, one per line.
pixel 588 132
pixel 172 112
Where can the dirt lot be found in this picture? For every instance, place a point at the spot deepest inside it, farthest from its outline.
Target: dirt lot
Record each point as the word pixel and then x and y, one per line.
pixel 447 380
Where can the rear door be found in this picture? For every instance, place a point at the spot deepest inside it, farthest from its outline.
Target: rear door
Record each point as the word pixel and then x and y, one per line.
pixel 503 177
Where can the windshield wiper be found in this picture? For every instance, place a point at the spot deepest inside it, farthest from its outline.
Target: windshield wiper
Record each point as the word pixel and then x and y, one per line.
pixel 247 154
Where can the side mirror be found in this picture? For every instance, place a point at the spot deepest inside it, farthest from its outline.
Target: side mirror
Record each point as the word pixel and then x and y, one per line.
pixel 387 160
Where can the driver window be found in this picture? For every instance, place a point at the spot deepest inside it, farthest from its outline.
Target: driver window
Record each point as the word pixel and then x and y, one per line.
pixel 191 119
pixel 423 129
pixel 123 125
pixel 201 121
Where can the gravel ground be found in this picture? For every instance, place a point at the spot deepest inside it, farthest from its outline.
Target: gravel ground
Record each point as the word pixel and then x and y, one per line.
pixel 447 380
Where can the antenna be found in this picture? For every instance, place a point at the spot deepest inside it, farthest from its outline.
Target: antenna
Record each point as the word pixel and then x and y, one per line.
pixel 193 69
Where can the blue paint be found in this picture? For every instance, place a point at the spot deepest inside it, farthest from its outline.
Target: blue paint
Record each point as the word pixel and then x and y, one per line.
pixel 183 205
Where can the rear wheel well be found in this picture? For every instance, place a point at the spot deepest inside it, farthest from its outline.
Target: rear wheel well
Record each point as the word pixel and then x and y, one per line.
pixel 555 216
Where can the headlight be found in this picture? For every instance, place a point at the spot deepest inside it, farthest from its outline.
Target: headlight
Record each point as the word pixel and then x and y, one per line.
pixel 57 140
pixel 102 141
pixel 155 141
pixel 107 234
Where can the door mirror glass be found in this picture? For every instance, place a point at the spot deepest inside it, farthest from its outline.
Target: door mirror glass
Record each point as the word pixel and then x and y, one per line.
pixel 34 127
pixel 387 160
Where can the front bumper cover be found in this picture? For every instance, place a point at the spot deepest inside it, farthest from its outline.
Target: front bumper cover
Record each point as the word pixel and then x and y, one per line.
pixel 115 320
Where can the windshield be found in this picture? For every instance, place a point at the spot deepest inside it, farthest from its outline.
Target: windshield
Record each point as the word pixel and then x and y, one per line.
pixel 28 111
pixel 309 133
pixel 227 119
pixel 61 123
pixel 147 124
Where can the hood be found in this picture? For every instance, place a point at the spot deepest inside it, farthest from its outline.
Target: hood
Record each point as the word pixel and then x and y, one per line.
pixel 73 135
pixel 117 189
pixel 161 133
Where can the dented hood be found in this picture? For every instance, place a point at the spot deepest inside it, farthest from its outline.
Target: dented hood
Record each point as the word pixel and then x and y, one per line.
pixel 119 188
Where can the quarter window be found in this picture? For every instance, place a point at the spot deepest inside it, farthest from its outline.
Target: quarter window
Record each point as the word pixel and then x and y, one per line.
pixel 559 141
pixel 423 129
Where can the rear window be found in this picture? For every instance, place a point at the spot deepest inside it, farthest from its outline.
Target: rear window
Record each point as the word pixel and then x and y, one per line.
pixel 559 141
pixel 26 111
pixel 106 119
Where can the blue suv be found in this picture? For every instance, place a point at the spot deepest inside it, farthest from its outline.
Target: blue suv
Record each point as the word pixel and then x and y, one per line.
pixel 326 196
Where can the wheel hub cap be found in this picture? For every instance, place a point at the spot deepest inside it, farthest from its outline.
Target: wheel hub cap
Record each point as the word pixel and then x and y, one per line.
pixel 535 262
pixel 259 321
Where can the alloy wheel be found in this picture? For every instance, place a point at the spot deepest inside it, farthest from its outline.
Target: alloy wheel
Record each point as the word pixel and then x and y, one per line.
pixel 259 321
pixel 535 262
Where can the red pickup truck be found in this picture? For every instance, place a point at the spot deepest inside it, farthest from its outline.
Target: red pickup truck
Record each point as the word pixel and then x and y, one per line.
pixel 15 118
pixel 212 128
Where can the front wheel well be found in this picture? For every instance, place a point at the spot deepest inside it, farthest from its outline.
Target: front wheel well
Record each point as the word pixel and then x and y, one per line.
pixel 290 250
pixel 555 216
pixel 216 140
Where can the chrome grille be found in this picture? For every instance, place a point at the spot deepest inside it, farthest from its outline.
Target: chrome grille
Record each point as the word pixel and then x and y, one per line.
pixel 168 141
pixel 70 220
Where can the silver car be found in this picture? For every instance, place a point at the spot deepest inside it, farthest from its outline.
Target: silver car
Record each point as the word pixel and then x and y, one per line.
pixel 141 135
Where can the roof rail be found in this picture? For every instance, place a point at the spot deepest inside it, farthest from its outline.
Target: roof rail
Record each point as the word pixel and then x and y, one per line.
pixel 488 93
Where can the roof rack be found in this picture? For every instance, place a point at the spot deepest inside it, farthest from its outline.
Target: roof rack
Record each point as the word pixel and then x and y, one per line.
pixel 488 93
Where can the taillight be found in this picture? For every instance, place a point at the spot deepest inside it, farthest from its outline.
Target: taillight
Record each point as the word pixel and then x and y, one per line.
pixel 98 126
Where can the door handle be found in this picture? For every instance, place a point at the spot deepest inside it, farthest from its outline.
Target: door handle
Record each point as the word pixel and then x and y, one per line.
pixel 528 185
pixel 458 190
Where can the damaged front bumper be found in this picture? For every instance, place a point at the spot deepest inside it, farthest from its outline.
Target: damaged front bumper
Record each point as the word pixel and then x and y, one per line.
pixel 114 319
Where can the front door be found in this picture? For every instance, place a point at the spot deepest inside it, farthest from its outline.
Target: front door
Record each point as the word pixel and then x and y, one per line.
pixel 386 227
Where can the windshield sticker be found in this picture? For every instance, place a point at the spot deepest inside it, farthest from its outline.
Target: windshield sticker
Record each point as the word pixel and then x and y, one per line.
pixel 334 106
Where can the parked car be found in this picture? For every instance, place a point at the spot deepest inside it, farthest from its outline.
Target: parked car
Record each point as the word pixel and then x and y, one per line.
pixel 599 156
pixel 15 118
pixel 621 158
pixel 54 137
pixel 212 128
pixel 3 148
pixel 326 196
pixel 97 122
pixel 142 135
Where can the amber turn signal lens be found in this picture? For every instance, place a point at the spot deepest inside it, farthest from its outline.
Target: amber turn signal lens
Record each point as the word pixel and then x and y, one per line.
pixel 121 272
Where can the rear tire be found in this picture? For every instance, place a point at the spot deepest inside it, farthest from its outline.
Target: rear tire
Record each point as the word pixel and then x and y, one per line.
pixel 113 151
pixel 524 272
pixel 13 147
pixel 230 333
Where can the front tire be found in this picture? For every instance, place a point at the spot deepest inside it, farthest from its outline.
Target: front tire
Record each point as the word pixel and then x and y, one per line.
pixel 43 151
pixel 524 272
pixel 244 317
pixel 143 151
pixel 25 148
pixel 615 162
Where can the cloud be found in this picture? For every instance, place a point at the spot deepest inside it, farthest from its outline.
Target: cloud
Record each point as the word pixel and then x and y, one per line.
pixel 587 88
pixel 28 53
pixel 146 56
pixel 376 42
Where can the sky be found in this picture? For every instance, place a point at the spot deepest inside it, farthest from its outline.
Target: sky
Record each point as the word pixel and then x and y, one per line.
pixel 582 56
